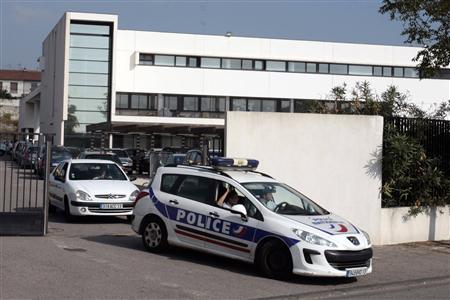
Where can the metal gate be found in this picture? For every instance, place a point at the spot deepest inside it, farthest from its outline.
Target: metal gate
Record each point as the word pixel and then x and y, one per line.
pixel 24 170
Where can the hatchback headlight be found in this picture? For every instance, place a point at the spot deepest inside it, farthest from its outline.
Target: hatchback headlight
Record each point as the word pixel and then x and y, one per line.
pixel 312 238
pixel 83 196
pixel 134 195
pixel 367 237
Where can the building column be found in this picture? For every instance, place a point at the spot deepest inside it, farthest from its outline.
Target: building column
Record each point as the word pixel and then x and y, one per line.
pixel 110 138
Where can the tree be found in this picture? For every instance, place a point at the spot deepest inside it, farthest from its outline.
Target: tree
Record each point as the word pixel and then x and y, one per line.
pixel 5 95
pixel 426 23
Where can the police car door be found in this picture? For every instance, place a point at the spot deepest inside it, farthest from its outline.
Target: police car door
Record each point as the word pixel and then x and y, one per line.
pixel 187 210
pixel 236 233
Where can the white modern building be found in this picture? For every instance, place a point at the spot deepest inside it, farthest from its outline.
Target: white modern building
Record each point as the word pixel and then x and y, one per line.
pixel 163 89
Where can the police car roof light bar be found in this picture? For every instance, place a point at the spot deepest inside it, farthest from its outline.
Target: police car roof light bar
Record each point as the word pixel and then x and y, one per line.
pixel 227 163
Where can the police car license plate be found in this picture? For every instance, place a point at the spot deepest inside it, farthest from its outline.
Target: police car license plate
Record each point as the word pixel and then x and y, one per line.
pixel 111 205
pixel 356 272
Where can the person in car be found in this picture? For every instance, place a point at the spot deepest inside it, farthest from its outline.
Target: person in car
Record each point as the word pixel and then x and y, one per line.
pixel 267 200
pixel 228 199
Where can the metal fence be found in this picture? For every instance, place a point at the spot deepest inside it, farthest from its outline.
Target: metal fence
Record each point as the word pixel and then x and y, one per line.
pixel 23 195
pixel 433 135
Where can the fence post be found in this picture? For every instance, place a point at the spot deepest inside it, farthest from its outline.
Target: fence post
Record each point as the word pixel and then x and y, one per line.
pixel 47 178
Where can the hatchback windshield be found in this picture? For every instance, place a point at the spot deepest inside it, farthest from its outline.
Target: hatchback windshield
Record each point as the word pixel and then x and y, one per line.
pixel 120 153
pixel 95 171
pixel 283 199
pixel 60 155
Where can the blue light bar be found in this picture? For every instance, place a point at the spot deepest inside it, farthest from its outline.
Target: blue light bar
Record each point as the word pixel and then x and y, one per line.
pixel 234 163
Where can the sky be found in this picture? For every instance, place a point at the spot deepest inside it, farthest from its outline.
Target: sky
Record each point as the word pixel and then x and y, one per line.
pixel 24 24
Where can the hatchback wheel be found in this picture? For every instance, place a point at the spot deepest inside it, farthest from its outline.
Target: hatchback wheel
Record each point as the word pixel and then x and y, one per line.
pixel 274 260
pixel 154 235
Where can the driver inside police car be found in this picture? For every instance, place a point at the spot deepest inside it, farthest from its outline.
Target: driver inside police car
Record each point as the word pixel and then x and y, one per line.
pixel 228 199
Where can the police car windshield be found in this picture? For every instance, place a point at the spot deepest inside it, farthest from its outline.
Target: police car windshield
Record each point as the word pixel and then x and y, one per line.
pixel 283 199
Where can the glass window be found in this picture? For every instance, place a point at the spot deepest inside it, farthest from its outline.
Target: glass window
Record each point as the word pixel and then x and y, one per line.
pixel 220 104
pixel 247 64
pixel 89 28
pixel 88 79
pixel 89 54
pixel 122 100
pixel 168 181
pixel 360 70
pixel 139 101
pixel 210 62
pixel 193 62
pixel 338 69
pixel 88 66
pixel 206 104
pixel 91 104
pixel 269 105
pixel 190 103
pixel 254 105
pixel 323 68
pixel 411 72
pixel 13 87
pixel 239 104
pixel 164 60
pixel 285 106
pixel 152 102
pixel 273 65
pixel 311 68
pixel 298 67
pixel 146 59
pixel 231 63
pixel 259 65
pixel 171 102
pixel 89 41
pixel 88 92
pixel 387 71
pixel 90 117
pixel 398 72
pixel 377 71
pixel 180 61
pixel 196 188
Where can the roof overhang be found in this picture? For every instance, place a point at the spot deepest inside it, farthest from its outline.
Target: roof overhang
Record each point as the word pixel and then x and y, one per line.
pixel 34 96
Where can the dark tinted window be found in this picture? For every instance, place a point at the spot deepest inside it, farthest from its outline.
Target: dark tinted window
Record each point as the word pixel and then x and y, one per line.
pixel 168 181
pixel 196 188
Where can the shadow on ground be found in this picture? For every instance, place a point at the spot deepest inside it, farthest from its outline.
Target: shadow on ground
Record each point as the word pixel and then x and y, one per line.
pixel 222 263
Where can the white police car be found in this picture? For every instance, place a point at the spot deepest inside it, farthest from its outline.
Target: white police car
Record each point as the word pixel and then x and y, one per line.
pixel 269 223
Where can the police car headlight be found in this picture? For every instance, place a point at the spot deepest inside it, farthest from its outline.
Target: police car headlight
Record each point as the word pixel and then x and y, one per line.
pixel 133 195
pixel 367 237
pixel 312 238
pixel 83 196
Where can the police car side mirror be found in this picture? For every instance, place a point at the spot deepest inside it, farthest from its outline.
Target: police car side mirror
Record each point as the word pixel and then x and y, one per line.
pixel 240 209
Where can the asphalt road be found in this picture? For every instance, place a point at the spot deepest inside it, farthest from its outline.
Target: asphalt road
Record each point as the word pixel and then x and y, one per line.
pixel 102 258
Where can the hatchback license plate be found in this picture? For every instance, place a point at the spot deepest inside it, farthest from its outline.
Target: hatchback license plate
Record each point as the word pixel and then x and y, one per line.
pixel 356 272
pixel 111 205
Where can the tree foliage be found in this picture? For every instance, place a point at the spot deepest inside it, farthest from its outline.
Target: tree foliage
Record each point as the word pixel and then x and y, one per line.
pixel 426 23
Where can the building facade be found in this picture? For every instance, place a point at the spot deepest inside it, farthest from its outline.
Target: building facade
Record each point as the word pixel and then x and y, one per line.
pixel 166 89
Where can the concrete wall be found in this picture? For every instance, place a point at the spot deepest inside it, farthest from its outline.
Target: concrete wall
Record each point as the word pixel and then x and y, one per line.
pixel 396 227
pixel 132 77
pixel 333 159
pixel 54 80
pixel 10 106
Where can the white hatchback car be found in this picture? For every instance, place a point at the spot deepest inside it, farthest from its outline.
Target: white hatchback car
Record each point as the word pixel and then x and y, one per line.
pixel 265 221
pixel 84 187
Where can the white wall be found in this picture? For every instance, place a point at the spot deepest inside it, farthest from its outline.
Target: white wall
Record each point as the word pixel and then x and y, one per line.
pixel 330 158
pixel 396 227
pixel 131 77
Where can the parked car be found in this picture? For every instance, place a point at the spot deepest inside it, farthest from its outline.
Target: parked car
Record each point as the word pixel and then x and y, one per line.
pixel 101 155
pixel 74 151
pixel 127 162
pixel 58 154
pixel 175 159
pixel 82 187
pixel 232 210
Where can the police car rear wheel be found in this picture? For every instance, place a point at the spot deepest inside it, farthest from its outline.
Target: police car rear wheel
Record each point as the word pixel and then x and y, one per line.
pixel 154 236
pixel 274 260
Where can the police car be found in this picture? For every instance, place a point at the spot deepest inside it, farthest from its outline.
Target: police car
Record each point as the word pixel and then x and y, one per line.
pixel 263 221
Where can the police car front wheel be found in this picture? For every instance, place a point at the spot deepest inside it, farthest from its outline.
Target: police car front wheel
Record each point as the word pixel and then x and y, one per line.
pixel 274 260
pixel 154 235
